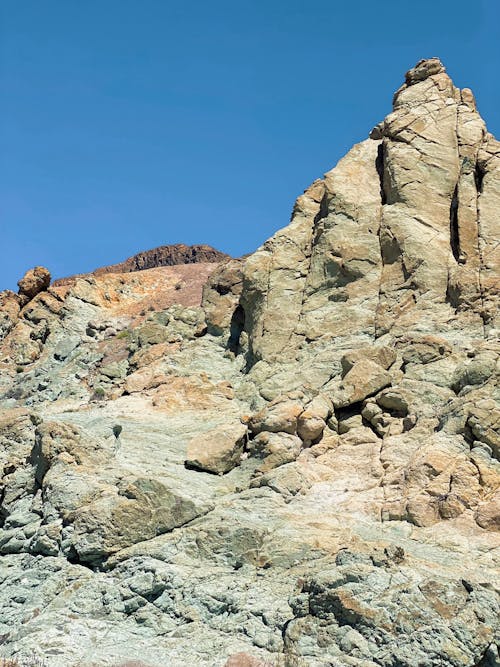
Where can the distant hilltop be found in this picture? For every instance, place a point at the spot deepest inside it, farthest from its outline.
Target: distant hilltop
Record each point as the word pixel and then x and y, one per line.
pixel 165 255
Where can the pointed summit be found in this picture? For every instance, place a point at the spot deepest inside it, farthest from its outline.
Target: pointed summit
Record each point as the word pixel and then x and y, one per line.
pixel 423 70
pixel 401 235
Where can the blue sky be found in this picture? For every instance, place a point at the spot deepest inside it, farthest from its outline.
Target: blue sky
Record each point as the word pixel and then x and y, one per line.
pixel 127 124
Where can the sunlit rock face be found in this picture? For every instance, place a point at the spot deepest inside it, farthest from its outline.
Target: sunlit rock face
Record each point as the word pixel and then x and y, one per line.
pixel 287 459
pixel 399 236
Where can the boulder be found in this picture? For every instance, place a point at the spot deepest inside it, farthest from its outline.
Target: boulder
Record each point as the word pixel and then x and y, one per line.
pixel 312 421
pixel 218 450
pixel 364 379
pixel 33 282
pixel 383 356
pixel 275 449
pixel 487 514
pixel 280 415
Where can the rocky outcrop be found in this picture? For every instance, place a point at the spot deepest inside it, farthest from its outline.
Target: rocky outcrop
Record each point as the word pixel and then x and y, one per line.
pixel 33 282
pixel 302 470
pixel 10 305
pixel 401 234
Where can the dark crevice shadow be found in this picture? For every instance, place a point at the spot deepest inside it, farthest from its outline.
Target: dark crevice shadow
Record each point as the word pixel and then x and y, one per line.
pixel 235 330
pixel 454 233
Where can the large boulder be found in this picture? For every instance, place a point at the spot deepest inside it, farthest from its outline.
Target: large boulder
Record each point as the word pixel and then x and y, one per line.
pixel 33 282
pixel 364 379
pixel 218 450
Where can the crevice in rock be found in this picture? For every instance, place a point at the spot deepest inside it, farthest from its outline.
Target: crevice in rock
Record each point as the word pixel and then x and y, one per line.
pixel 406 274
pixel 73 558
pixel 479 173
pixel 323 209
pixel 221 289
pixel 454 231
pixel 152 596
pixel 284 631
pixel 3 512
pixel 236 328
pixel 379 166
pixel 198 468
pixel 372 428
pixel 349 411
pixel 452 294
pixel 39 462
pixel 480 477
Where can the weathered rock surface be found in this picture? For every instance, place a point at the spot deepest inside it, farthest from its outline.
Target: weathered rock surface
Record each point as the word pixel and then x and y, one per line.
pixel 299 466
pixel 33 282
pixel 218 450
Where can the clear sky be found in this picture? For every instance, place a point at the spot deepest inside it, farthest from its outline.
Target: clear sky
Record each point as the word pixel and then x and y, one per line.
pixel 127 124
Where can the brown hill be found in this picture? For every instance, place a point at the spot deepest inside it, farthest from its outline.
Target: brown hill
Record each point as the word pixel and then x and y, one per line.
pixel 165 255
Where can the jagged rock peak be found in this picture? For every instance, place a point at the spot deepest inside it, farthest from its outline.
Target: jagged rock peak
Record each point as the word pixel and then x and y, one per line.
pixel 424 69
pixel 401 235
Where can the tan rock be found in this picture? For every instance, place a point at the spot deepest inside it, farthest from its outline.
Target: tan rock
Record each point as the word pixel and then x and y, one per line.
pixel 143 379
pixel 64 440
pixel 221 296
pixel 139 509
pixel 312 421
pixel 146 356
pixel 219 450
pixel 20 346
pixel 487 514
pixel 183 393
pixel 395 400
pixel 365 378
pixel 280 415
pixel 310 427
pixel 329 440
pixel 484 422
pixel 418 349
pixel 364 523
pixel 9 311
pixel 423 70
pixel 34 281
pixel 383 356
pixel 275 449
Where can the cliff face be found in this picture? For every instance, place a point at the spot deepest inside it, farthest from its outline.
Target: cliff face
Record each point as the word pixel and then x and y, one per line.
pixel 303 469
pixel 401 235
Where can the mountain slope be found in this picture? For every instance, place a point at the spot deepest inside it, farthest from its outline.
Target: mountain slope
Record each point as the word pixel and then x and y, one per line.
pixel 303 469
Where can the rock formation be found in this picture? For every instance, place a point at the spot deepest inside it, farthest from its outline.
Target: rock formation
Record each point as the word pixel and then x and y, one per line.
pixel 33 282
pixel 301 471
